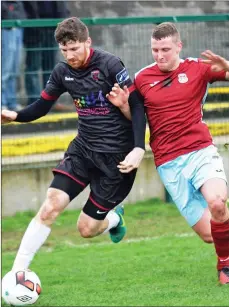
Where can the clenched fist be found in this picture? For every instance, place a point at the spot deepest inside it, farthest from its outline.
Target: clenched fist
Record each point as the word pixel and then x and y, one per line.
pixel 8 116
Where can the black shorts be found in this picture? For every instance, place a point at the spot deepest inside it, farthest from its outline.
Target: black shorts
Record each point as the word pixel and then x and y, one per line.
pixel 82 167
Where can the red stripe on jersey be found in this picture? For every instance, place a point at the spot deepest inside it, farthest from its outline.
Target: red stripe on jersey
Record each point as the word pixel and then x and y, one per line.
pixel 47 96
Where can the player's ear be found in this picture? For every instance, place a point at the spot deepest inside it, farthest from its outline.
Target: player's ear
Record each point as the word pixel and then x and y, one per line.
pixel 179 45
pixel 88 42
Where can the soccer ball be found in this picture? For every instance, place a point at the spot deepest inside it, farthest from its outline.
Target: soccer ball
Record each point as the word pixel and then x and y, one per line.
pixel 21 288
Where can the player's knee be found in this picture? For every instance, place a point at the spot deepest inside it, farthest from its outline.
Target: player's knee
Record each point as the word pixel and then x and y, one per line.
pixel 217 206
pixel 51 207
pixel 85 230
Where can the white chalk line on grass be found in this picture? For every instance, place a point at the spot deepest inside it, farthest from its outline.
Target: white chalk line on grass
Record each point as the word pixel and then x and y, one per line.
pixel 133 240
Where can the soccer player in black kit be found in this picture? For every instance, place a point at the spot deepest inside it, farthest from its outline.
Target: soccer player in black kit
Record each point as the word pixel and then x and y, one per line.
pixel 107 150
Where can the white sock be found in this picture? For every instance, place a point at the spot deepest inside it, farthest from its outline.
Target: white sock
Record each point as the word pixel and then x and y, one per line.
pixel 34 237
pixel 113 220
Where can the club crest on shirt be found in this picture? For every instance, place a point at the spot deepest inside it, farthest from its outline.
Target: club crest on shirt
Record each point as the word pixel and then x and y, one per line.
pixel 95 75
pixel 182 78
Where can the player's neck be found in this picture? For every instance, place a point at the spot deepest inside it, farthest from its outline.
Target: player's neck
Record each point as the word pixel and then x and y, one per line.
pixel 89 53
pixel 176 65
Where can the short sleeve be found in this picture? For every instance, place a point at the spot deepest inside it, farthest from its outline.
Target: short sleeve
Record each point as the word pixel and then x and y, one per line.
pixel 211 76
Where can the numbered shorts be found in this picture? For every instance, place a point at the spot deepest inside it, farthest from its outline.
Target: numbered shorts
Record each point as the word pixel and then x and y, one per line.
pixel 184 176
pixel 81 167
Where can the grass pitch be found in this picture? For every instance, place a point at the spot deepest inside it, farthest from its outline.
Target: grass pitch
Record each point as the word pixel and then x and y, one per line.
pixel 161 262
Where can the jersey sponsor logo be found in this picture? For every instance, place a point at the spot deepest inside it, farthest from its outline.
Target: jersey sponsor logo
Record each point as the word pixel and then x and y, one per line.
pixel 154 83
pixel 91 100
pixel 95 75
pixel 66 78
pixel 122 76
pixel 182 78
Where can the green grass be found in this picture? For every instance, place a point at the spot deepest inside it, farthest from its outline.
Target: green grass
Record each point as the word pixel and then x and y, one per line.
pixel 160 263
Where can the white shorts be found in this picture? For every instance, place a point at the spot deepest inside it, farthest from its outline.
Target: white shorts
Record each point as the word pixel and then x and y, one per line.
pixel 184 176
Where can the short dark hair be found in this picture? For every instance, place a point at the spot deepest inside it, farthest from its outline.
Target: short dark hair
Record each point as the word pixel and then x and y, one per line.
pixel 165 29
pixel 71 29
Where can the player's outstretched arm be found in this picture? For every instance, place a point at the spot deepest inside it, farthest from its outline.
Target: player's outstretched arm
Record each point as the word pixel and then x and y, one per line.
pixel 217 62
pixel 35 110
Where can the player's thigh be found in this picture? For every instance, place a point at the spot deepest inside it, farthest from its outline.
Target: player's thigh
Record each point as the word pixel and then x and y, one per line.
pixel 188 200
pixel 109 187
pixel 209 174
pixel 68 185
pixel 215 187
pixel 55 202
pixel 74 166
pixel 210 177
pixel 61 191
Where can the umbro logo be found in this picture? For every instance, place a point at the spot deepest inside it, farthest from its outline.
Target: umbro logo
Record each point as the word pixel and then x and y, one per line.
pixel 68 78
pixel 24 298
pixel 219 170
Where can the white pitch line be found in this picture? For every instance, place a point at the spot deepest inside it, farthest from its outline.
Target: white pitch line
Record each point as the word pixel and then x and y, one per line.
pixel 134 240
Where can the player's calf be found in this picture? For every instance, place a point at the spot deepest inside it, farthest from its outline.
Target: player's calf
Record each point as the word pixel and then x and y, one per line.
pixel 203 227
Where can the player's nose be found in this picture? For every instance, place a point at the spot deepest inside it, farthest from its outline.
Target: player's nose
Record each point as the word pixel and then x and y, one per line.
pixel 160 55
pixel 69 56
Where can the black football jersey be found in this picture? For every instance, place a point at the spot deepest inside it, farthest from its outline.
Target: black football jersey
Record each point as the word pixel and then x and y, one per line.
pixel 102 127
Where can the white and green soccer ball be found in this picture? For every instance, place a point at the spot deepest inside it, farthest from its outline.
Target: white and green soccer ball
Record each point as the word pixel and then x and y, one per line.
pixel 21 288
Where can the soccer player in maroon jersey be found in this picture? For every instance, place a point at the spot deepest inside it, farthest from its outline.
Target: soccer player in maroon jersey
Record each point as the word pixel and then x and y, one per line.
pixel 187 161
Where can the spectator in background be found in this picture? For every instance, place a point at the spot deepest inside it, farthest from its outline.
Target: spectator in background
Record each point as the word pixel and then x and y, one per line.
pixel 12 39
pixel 44 56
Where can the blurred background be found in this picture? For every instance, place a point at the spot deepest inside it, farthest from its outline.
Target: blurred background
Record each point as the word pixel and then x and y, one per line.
pixel 29 53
